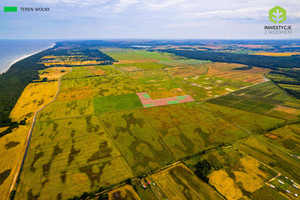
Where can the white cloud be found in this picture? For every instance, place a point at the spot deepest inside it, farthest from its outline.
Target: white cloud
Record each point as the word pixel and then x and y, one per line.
pixel 162 4
pixel 72 2
pixel 253 13
pixel 123 4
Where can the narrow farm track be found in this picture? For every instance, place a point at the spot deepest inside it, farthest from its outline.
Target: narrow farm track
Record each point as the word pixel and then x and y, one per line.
pixel 18 173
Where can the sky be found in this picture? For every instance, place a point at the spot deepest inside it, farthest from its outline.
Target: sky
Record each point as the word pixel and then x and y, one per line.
pixel 146 19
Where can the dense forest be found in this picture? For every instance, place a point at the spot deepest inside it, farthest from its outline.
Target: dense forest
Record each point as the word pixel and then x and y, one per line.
pixel 252 60
pixel 13 82
pixel 287 79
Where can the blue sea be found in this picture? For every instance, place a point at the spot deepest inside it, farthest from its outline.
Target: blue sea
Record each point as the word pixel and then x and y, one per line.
pixel 13 50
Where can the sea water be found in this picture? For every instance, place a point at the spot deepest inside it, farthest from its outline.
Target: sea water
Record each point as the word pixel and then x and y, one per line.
pixel 13 50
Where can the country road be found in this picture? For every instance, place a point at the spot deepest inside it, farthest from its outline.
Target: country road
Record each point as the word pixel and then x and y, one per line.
pixel 18 173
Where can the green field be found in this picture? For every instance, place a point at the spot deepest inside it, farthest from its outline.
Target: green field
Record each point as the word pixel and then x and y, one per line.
pixel 119 102
pixel 267 192
pixel 252 122
pixel 78 72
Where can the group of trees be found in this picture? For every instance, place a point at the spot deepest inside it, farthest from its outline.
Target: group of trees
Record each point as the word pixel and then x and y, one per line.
pixel 243 68
pixel 203 169
pixel 11 125
pixel 290 77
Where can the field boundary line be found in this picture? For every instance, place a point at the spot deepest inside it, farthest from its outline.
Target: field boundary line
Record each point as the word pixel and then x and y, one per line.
pixel 121 154
pixel 236 90
pixel 211 186
pixel 297 100
pixel 29 135
pixel 256 159
pixel 158 134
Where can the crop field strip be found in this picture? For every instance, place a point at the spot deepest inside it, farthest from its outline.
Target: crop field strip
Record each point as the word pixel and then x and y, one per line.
pixel 180 183
pixel 255 100
pixel 271 155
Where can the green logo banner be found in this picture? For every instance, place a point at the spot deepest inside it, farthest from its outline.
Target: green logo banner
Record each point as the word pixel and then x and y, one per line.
pixel 277 15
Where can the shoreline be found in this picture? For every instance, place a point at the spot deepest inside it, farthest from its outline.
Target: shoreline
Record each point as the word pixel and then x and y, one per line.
pixel 23 57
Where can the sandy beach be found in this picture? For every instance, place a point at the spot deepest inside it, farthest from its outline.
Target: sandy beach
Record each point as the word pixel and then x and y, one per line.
pixel 23 57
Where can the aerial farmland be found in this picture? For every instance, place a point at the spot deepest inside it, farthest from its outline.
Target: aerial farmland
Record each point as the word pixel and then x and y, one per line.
pixel 139 124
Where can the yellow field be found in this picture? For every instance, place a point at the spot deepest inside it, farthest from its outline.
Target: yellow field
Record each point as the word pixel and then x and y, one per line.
pixel 34 97
pixel 123 193
pixel 73 94
pixel 225 185
pixel 47 57
pixel 88 62
pixel 54 73
pixel 3 129
pixel 277 54
pixel 247 175
pixel 12 147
